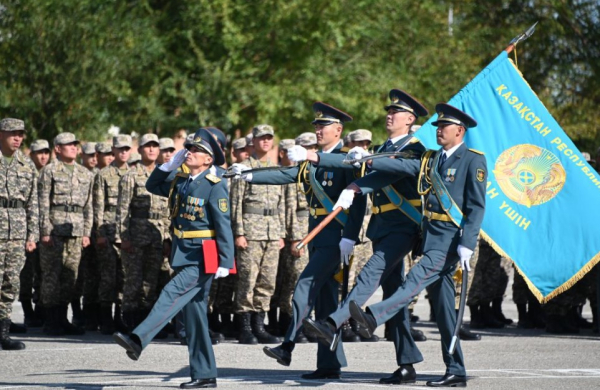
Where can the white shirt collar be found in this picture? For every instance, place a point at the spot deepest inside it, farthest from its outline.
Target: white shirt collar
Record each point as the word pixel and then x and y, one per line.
pixel 330 150
pixel 398 138
pixel 451 151
pixel 212 170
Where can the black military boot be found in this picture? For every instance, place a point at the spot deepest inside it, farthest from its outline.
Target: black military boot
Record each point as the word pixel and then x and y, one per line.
pixel 129 319
pixel 284 323
pixel 273 325
pixel 245 335
pixel 348 335
pixel 70 329
pixel 107 325
pixel 40 313
pixel 5 341
pixel 417 335
pixel 17 328
pixel 78 316
pixel 91 313
pixel 594 319
pixel 356 328
pixel 213 321
pixel 535 313
pixel 228 326
pixel 524 321
pixel 497 310
pixel 53 321
pixel 31 320
pixel 554 324
pixel 258 329
pixel 118 319
pixel 476 320
pixel 488 318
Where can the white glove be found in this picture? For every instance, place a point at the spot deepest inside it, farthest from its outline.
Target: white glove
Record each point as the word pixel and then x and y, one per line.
pixel 357 152
pixel 346 248
pixel 345 199
pixel 296 153
pixel 221 272
pixel 465 255
pixel 237 169
pixel 175 161
pixel 247 177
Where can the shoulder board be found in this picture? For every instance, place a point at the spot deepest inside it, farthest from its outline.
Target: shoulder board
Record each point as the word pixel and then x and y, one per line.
pixel 212 178
pixel 414 140
pixel 345 149
pixel 182 174
pixel 476 151
pixel 184 168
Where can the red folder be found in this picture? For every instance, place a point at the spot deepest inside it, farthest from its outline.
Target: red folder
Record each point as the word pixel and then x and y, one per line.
pixel 211 257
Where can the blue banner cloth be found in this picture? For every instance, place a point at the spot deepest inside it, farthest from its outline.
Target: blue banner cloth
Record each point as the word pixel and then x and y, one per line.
pixel 543 198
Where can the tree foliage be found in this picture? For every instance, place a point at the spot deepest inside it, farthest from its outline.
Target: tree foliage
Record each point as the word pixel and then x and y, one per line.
pixel 160 65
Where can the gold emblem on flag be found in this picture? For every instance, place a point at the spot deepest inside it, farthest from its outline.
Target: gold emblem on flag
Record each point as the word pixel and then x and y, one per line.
pixel 529 175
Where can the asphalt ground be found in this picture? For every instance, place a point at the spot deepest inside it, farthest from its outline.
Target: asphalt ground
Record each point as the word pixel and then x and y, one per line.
pixel 506 359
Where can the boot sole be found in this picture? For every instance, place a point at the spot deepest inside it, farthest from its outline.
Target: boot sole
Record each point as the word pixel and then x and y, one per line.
pixel 313 330
pixel 124 344
pixel 272 355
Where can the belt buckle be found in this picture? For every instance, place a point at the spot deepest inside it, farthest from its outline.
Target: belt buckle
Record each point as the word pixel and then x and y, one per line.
pixel 313 212
pixel 376 210
pixel 428 214
pixel 179 234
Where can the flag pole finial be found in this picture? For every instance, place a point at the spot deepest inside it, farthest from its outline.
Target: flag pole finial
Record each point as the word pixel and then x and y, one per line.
pixel 519 38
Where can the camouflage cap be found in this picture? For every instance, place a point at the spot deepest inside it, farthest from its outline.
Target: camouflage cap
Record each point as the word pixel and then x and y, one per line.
pixel 88 148
pixel 39 144
pixel 249 139
pixel 306 139
pixel 12 124
pixel 166 143
pixel 65 138
pixel 121 141
pixel 260 130
pixel 134 157
pixel 361 135
pixel 147 138
pixel 103 147
pixel 286 144
pixel 239 143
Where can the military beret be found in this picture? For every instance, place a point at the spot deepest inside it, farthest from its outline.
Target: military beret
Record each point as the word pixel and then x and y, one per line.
pixel 147 138
pixel 401 101
pixel 448 114
pixel 361 135
pixel 239 143
pixel 88 148
pixel 306 139
pixel 39 144
pixel 166 143
pixel 326 114
pixel 103 147
pixel 121 141
pixel 286 144
pixel 260 130
pixel 65 138
pixel 12 124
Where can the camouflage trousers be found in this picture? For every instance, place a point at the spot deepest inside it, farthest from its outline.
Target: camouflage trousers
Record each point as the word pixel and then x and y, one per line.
pixel 490 276
pixel 59 263
pixel 12 259
pixel 30 277
pixel 520 292
pixel 362 253
pixel 110 286
pixel 257 273
pixel 87 276
pixel 141 272
pixel 288 272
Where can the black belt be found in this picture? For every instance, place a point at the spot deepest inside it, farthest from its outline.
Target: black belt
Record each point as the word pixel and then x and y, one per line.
pixel 145 214
pixel 110 208
pixel 68 209
pixel 263 212
pixel 11 204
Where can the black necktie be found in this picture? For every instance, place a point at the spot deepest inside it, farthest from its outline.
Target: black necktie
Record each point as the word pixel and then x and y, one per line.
pixel 386 145
pixel 185 186
pixel 442 159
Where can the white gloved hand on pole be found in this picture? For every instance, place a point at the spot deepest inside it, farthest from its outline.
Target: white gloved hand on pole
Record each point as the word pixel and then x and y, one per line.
pixel 465 256
pixel 175 162
pixel 345 199
pixel 237 168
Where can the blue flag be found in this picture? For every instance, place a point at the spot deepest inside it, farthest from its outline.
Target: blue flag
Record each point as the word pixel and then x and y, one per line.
pixel 542 203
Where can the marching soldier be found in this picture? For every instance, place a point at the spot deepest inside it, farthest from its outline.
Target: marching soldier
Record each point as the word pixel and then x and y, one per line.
pixel 142 225
pixel 66 217
pixel 455 177
pixel 30 277
pixel 19 230
pixel 106 196
pixel 200 213
pixel 258 223
pixel 105 154
pixel 393 229
pixel 316 287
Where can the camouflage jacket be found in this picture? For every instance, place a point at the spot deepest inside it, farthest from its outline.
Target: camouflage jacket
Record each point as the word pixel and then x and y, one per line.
pixel 18 185
pixel 296 213
pixel 139 211
pixel 106 196
pixel 257 210
pixel 65 200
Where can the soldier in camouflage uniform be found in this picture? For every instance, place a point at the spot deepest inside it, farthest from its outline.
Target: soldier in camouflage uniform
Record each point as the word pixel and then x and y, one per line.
pixel 142 225
pixel 30 277
pixel 66 217
pixel 167 149
pixel 258 223
pixel 239 152
pixel 134 159
pixel 18 221
pixel 105 154
pixel 106 195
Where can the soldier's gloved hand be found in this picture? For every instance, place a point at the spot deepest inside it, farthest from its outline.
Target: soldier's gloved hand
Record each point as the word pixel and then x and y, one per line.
pixel 296 153
pixel 356 153
pixel 346 248
pixel 237 168
pixel 221 272
pixel 247 177
pixel 345 199
pixel 175 162
pixel 465 256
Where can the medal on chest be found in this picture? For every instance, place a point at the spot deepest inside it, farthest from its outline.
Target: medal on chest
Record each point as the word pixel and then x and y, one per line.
pixel 450 175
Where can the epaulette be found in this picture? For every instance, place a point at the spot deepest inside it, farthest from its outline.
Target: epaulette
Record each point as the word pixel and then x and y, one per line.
pixel 212 178
pixel 182 174
pixel 345 149
pixel 476 151
pixel 414 140
pixel 184 168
